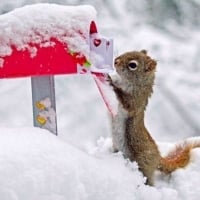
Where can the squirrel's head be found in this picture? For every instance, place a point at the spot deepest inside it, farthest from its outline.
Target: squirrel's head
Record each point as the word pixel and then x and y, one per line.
pixel 136 67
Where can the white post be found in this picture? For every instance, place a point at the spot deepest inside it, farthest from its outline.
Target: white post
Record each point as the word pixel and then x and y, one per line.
pixel 44 104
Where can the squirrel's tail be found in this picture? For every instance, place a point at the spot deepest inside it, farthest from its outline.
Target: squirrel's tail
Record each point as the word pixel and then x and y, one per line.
pixel 178 158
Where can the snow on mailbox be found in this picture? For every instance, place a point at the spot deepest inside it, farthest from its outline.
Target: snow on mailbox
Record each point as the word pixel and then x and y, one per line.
pixel 43 40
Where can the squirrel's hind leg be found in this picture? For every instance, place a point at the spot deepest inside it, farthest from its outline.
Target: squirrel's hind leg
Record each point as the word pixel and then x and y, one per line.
pixel 149 174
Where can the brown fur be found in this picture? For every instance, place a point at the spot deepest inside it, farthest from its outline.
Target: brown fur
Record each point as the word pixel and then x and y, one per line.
pixel 133 93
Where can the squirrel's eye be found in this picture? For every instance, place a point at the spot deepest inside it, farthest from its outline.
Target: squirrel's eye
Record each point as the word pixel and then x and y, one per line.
pixel 132 65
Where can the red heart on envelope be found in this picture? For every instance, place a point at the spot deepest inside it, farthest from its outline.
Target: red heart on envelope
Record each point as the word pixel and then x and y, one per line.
pixel 97 42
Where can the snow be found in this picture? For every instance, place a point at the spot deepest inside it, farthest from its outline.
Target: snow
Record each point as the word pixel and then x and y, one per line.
pixel 35 164
pixel 70 25
pixel 78 164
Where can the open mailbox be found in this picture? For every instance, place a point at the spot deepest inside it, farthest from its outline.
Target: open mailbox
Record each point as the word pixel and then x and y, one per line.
pixel 36 43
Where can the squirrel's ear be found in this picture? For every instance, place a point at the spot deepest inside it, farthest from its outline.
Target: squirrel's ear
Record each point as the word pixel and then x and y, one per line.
pixel 144 51
pixel 150 65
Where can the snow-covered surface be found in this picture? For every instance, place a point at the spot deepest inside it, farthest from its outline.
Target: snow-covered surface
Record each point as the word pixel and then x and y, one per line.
pixel 78 163
pixel 38 24
pixel 35 164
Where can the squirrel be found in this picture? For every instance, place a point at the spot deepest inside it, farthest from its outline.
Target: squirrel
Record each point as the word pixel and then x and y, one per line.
pixel 133 87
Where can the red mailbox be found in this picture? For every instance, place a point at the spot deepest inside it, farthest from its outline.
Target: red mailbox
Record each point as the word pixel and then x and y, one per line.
pixel 44 40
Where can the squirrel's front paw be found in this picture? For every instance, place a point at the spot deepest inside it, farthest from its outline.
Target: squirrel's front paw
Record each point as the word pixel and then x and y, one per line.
pixel 110 81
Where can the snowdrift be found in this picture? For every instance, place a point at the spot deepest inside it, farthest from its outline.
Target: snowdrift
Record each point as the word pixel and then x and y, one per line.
pixel 35 164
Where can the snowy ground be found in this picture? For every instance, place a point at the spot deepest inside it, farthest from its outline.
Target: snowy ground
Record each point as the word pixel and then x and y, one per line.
pixel 35 164
pixel 78 163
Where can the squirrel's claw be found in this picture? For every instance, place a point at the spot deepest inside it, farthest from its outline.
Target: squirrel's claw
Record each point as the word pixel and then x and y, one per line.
pixel 108 78
pixel 110 81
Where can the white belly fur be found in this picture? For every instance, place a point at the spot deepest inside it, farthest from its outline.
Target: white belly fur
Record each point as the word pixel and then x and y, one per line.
pixel 118 130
